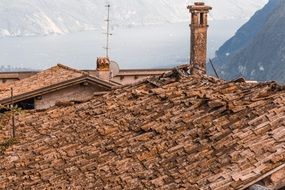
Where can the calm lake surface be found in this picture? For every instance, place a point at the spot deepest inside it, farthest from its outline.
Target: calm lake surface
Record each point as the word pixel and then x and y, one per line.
pixel 140 47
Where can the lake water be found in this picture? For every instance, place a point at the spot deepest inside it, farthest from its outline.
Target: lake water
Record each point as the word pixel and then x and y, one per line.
pixel 140 47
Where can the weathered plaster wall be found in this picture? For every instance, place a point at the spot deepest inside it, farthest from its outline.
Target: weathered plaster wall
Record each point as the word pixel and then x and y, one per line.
pixel 75 93
pixel 7 81
pixel 10 77
pixel 128 79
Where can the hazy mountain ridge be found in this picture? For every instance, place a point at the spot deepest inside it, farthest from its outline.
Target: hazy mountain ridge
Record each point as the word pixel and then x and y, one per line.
pixel 257 51
pixel 44 17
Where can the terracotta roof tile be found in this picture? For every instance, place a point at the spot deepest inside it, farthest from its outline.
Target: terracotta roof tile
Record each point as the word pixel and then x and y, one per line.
pixel 49 77
pixel 171 132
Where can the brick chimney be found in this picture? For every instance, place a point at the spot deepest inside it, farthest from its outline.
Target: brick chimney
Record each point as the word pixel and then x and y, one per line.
pixel 199 26
pixel 103 68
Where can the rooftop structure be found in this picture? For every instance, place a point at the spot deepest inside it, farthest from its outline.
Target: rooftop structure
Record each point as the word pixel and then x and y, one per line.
pixel 59 83
pixel 169 132
pixel 179 130
pixel 199 26
pixel 120 76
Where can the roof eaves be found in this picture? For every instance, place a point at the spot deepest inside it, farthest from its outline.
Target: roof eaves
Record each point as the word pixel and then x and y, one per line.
pixel 55 87
pixel 115 83
pixel 100 81
pixel 72 69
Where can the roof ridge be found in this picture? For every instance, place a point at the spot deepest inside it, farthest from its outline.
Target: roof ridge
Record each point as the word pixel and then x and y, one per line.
pixel 85 74
pixel 72 69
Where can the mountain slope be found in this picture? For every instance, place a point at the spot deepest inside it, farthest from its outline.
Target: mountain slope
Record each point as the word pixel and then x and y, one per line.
pixel 43 17
pixel 257 51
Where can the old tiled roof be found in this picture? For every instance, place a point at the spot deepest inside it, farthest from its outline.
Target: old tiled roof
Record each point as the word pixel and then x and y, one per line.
pixel 55 75
pixel 172 132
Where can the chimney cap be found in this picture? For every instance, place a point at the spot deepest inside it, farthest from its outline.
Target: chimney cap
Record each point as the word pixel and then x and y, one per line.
pixel 199 3
pixel 199 7
pixel 103 64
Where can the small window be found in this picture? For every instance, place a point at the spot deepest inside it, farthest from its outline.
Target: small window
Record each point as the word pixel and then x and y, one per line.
pixel 201 18
pixel 27 104
pixel 24 105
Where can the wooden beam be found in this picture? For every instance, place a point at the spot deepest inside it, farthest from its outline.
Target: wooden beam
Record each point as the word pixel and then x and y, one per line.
pixel 263 177
pixel 277 179
pixel 258 187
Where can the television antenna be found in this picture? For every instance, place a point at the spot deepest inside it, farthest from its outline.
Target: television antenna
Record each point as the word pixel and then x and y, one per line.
pixel 108 34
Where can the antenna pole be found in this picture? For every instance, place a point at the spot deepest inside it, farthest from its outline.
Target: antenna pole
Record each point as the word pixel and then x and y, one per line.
pixel 214 68
pixel 108 34
pixel 13 114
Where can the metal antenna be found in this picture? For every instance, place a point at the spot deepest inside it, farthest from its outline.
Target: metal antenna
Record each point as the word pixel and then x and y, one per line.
pixel 214 68
pixel 13 114
pixel 108 34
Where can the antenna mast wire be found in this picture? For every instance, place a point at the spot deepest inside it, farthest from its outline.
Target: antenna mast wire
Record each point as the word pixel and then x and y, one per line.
pixel 108 34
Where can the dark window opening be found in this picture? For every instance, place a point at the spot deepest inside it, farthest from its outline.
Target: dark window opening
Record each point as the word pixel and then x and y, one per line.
pixel 3 110
pixel 26 104
pixel 201 18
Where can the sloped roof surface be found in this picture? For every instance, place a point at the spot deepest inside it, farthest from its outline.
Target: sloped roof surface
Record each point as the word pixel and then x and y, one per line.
pixel 171 132
pixel 49 77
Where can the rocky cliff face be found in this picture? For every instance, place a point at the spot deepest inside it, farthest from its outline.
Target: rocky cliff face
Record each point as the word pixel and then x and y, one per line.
pixel 257 51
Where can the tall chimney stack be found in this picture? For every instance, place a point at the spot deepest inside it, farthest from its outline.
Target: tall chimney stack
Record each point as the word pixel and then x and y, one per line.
pixel 199 26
